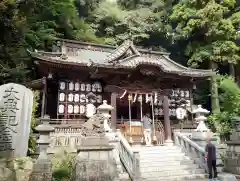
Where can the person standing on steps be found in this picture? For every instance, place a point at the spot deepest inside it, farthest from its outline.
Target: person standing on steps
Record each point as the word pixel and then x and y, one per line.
pixel 210 157
pixel 147 125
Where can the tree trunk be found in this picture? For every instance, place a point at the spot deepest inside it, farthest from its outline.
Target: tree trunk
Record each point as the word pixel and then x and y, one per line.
pixel 232 70
pixel 214 91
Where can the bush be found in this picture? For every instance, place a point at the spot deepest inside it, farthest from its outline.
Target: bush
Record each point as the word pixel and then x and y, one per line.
pixel 63 167
pixel 222 124
pixel 32 138
pixel 229 96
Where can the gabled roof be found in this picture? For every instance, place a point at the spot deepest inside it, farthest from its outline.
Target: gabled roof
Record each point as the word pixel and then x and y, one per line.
pixel 125 56
pixel 127 49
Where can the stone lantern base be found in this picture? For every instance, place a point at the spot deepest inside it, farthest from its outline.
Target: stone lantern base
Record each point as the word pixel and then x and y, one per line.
pixel 95 160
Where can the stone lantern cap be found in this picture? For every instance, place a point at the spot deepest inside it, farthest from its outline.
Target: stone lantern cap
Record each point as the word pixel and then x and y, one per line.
pixel 45 126
pixel 105 106
pixel 200 110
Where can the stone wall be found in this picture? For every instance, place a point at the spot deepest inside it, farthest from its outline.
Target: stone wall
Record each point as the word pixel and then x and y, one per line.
pixel 232 158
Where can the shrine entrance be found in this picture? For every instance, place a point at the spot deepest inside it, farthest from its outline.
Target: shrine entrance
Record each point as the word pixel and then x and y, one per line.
pixel 132 105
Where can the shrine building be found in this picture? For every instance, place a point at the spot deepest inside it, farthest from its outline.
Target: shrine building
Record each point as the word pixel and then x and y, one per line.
pixel 134 81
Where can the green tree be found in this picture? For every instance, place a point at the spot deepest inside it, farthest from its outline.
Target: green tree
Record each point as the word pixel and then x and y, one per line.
pixel 210 29
pixel 13 57
pixel 229 96
pixel 116 25
pixel 86 7
pixel 51 19
pixel 117 21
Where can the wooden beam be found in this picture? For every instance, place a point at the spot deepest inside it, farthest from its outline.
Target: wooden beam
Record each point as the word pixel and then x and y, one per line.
pixel 44 92
pixel 114 111
pixel 35 84
pixel 120 90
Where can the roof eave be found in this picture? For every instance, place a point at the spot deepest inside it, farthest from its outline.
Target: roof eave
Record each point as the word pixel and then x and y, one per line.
pixel 189 73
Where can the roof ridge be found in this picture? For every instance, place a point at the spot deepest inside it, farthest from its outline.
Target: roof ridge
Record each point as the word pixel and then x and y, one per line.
pixel 141 50
pixel 119 51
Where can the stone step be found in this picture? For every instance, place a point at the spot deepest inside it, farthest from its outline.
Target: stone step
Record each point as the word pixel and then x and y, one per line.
pixel 159 155
pixel 172 173
pixel 152 148
pixel 167 163
pixel 159 151
pixel 154 152
pixel 164 159
pixel 192 177
pixel 158 168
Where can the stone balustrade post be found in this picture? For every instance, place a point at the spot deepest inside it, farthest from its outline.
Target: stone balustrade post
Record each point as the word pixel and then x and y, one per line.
pixel 42 168
pixel 136 165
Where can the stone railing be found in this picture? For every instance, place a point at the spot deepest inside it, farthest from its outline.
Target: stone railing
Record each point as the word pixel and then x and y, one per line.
pixel 192 149
pixel 129 158
pixel 66 137
pixel 197 153
pixel 67 122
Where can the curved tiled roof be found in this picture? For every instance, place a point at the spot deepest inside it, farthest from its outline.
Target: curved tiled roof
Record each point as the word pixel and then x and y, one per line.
pixel 95 55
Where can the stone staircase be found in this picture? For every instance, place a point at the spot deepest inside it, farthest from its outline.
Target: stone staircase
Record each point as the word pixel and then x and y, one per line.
pixel 167 163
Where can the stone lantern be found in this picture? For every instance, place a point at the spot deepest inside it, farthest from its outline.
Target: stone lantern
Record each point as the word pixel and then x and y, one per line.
pixel 105 110
pixel 200 118
pixel 44 130
pixel 201 133
pixel 43 164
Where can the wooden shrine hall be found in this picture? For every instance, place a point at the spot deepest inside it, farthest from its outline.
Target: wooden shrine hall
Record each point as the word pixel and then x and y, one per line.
pixel 134 81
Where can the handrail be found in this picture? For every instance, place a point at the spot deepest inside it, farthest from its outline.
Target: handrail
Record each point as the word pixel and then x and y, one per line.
pixel 129 157
pixel 191 148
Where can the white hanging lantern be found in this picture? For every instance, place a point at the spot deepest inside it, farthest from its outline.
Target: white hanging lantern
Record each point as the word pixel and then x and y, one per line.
pixel 77 86
pixel 71 86
pixel 82 87
pixel 88 87
pixel 61 109
pixel 70 109
pixel 61 97
pixel 76 109
pixel 82 98
pixel 76 98
pixel 70 97
pixel 62 85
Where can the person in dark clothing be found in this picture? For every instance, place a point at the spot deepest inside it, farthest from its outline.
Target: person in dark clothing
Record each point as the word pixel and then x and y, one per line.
pixel 210 156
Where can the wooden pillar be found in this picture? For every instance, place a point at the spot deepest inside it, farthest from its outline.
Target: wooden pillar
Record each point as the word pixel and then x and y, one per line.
pixel 44 100
pixel 167 123
pixel 114 111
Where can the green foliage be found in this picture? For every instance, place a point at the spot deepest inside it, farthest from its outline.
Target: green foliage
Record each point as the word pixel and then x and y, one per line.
pixel 51 19
pixel 229 96
pixel 32 137
pixel 115 21
pixel 13 57
pixel 221 123
pixel 210 30
pixel 116 25
pixel 86 7
pixel 63 168
pixel 34 24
